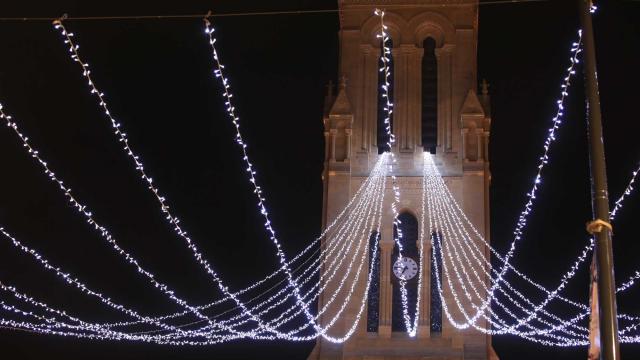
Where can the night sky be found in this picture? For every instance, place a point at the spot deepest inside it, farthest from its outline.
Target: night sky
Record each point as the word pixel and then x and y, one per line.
pixel 156 75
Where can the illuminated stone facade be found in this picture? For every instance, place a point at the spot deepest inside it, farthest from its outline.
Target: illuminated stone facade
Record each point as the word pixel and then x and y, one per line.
pixel 462 133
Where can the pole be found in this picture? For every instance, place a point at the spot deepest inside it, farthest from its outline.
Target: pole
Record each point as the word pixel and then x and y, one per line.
pixel 600 199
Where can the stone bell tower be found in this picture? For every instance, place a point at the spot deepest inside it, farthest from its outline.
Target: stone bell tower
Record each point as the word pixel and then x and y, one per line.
pixel 437 109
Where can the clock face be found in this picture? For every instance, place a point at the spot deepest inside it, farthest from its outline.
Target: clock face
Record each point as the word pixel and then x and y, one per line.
pixel 405 268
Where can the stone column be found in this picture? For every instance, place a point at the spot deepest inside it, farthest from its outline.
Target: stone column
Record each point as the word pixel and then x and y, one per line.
pixel 385 289
pixel 405 97
pixel 366 98
pixel 424 329
pixel 464 132
pixel 400 126
pixel 332 139
pixel 414 90
pixel 347 155
pixel 485 136
pixel 327 146
pixel 479 134
pixel 445 123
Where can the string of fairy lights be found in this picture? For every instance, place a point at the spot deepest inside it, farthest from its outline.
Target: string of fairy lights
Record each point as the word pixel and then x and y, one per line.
pixel 332 268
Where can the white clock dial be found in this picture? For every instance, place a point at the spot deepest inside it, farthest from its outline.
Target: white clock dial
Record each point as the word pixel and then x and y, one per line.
pixel 405 268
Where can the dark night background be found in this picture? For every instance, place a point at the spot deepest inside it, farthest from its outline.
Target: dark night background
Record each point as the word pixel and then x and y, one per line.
pixel 157 79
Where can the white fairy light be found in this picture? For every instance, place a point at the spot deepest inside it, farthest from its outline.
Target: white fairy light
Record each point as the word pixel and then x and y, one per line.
pixel 219 73
pixel 24 138
pixel 88 215
pixel 174 221
pixel 388 110
pixel 627 191
pixel 333 241
pixel 521 321
pixel 448 216
pixel 445 215
pixel 522 220
pixel 91 83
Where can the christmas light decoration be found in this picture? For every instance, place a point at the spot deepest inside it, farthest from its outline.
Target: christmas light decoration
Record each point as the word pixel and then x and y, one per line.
pixel 531 195
pixel 411 329
pixel 627 191
pixel 47 171
pixel 472 281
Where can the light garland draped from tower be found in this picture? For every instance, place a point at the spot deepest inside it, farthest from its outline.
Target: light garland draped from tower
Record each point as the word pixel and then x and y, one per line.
pixel 383 177
pixel 446 221
pixel 378 192
pixel 227 95
pixel 172 219
pixel 74 48
pixel 522 220
pixel 67 191
pixel 411 329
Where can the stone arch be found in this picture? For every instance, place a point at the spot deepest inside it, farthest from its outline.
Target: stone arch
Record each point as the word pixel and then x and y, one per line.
pixel 429 24
pixel 371 28
pixel 408 210
pixel 410 228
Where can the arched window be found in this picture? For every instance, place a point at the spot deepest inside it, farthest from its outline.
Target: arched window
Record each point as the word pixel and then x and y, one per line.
pixel 436 302
pixel 373 301
pixel 409 230
pixel 382 135
pixel 429 96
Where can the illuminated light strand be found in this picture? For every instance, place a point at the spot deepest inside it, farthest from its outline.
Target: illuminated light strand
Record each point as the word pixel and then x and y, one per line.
pixel 332 245
pixel 627 191
pixel 218 72
pixel 374 190
pixel 567 276
pixel 51 322
pixel 446 311
pixel 456 209
pixel 444 224
pixel 364 297
pixel 22 137
pixel 506 328
pixel 122 137
pixel 261 200
pixel 73 49
pixel 449 317
pixel 335 240
pixel 522 220
pixel 34 153
pixel 379 215
pixel 377 220
pixel 326 283
pixel 71 280
pixel 388 111
pixel 38 304
pixel 88 215
pixel 443 208
pixel 564 323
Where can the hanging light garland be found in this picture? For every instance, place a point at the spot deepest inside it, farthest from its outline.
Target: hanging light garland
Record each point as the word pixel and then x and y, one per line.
pixel 441 205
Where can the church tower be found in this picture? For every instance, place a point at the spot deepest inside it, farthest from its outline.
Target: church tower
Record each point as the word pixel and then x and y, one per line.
pixel 437 109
